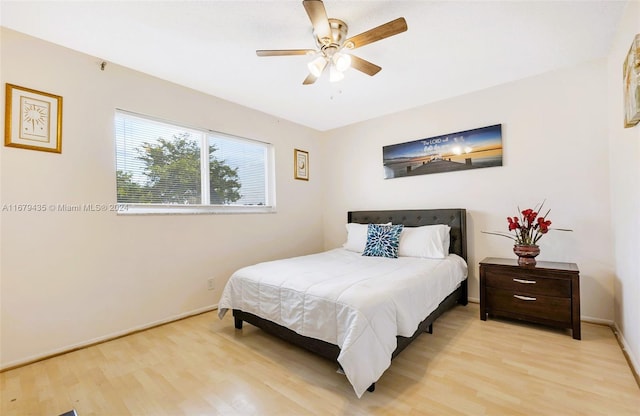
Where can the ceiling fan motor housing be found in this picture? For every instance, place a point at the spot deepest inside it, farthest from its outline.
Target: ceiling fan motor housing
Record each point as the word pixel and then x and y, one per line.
pixel 339 31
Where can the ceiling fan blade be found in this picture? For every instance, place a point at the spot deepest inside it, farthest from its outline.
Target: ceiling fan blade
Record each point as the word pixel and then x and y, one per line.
pixel 310 79
pixel 365 66
pixel 319 20
pixel 284 52
pixel 377 33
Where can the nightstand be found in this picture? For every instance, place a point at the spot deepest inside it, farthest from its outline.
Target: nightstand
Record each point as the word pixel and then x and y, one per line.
pixel 546 293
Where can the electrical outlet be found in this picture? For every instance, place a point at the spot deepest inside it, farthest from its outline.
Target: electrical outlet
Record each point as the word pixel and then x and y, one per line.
pixel 211 284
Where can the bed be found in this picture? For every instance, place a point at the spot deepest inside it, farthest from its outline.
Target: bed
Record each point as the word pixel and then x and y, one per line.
pixel 344 309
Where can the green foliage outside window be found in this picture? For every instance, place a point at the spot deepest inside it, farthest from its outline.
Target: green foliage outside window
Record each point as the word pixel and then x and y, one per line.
pixel 172 175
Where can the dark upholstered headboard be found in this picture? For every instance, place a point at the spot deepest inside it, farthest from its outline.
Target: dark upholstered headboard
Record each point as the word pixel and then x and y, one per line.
pixel 454 218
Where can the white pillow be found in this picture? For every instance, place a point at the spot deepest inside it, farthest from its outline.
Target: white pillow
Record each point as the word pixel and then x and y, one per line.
pixel 447 240
pixel 429 241
pixel 357 236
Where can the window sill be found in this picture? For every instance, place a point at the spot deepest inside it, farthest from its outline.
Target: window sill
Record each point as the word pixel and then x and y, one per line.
pixel 151 209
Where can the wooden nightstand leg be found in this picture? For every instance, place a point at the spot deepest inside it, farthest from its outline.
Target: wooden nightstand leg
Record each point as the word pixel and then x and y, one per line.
pixel 483 294
pixel 575 325
pixel 575 308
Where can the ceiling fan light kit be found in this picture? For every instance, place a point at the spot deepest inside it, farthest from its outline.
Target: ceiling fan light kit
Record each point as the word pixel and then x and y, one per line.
pixel 334 46
pixel 317 65
pixel 342 61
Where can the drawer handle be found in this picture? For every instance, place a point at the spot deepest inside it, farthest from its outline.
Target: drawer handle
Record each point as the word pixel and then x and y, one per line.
pixel 523 297
pixel 529 282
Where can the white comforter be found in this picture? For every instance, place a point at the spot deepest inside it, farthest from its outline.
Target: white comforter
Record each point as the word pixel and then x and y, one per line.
pixel 358 303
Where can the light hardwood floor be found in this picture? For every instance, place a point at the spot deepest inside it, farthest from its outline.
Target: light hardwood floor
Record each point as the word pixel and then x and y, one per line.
pixel 202 365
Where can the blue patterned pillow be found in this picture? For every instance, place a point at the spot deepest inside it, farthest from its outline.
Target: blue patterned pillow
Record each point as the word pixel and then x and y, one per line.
pixel 382 240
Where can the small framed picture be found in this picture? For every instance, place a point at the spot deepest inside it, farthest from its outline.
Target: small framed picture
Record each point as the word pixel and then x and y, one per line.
pixel 301 167
pixel 33 119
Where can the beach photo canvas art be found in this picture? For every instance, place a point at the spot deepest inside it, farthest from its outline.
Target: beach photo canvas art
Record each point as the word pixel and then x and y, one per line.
pixel 469 149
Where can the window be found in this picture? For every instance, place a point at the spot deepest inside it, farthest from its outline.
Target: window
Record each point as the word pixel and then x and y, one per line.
pixel 167 168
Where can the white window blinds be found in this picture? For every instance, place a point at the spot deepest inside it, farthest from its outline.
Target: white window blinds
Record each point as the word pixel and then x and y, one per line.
pixel 159 163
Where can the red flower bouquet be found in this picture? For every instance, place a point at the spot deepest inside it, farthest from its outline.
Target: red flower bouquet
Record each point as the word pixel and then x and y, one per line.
pixel 527 228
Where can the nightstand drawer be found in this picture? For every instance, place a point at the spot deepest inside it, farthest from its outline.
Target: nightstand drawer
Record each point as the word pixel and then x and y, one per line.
pixel 528 283
pixel 539 306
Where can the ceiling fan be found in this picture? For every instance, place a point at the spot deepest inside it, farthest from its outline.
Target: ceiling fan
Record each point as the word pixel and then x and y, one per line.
pixel 333 45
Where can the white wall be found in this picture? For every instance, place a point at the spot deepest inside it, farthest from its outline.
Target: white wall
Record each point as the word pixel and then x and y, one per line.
pixel 555 148
pixel 71 278
pixel 624 145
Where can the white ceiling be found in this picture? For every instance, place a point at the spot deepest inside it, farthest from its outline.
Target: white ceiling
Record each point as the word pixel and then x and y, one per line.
pixel 451 47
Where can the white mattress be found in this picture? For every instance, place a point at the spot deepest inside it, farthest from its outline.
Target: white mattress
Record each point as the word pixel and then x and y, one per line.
pixel 356 302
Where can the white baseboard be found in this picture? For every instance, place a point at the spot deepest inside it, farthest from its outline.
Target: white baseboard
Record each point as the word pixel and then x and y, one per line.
pixel 98 340
pixel 598 321
pixel 633 361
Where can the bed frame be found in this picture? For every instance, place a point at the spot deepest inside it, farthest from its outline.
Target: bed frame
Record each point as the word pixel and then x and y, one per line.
pixel 455 218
